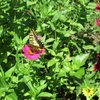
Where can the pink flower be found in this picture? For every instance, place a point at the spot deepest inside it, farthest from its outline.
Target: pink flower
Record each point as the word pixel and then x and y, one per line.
pixel 97 7
pixel 97 65
pixel 32 52
pixel 43 51
pixel 98 21
pixel 39 37
pixel 28 12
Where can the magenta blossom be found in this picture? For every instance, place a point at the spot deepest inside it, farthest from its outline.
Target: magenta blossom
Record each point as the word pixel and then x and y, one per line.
pixel 98 21
pixel 97 65
pixel 32 52
pixel 28 12
pixel 39 37
pixel 97 7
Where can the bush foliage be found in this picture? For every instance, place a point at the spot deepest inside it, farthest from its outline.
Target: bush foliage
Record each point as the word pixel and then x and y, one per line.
pixel 71 37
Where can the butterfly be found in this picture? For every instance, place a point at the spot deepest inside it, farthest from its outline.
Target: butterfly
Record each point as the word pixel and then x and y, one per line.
pixel 97 1
pixel 34 42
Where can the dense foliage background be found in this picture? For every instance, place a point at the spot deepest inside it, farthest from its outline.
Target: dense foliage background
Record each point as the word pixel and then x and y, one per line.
pixel 71 37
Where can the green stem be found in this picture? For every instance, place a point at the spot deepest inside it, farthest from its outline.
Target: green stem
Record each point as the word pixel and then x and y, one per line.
pixel 55 36
pixel 87 97
pixel 94 94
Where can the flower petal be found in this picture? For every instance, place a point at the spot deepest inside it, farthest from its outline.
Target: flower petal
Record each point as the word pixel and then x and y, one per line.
pixel 97 7
pixel 97 65
pixel 35 55
pixel 39 37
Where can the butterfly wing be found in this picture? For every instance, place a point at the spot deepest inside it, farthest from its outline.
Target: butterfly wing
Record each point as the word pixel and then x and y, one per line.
pixel 33 40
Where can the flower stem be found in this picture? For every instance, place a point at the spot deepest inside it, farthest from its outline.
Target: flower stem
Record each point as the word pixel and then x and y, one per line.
pixel 95 93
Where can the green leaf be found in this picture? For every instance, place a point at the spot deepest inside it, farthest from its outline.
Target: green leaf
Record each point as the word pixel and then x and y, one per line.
pixel 1 30
pixel 78 48
pixel 52 25
pixel 41 87
pixel 91 5
pixel 62 72
pixel 50 7
pixel 25 39
pixel 65 49
pixel 78 90
pixel 31 2
pixel 44 10
pixel 12 96
pixel 70 32
pixel 84 1
pixel 56 16
pixel 38 65
pixel 2 73
pixel 3 57
pixel 52 52
pixel 56 43
pixel 3 85
pixel 17 39
pixel 18 7
pixel 52 61
pixel 29 85
pixel 50 40
pixel 45 94
pixel 79 73
pixel 9 72
pixel 80 59
pixel 78 24
pixel 60 54
pixel 88 47
pixel 24 70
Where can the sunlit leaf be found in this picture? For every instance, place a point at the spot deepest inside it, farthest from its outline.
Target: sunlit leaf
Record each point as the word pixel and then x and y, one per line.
pixel 80 59
pixel 45 94
pixel 52 61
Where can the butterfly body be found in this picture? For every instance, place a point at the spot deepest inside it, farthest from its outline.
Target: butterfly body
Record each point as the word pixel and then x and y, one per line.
pixel 34 42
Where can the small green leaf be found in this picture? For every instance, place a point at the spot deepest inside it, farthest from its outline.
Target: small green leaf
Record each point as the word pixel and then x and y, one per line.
pixel 50 40
pixel 78 48
pixel 50 7
pixel 25 39
pixel 38 65
pixel 3 57
pixel 80 73
pixel 80 59
pixel 45 94
pixel 52 52
pixel 56 16
pixel 65 49
pixel 56 43
pixel 29 85
pixel 78 24
pixel 1 30
pixel 88 47
pixel 17 39
pixel 52 25
pixel 3 84
pixel 52 61
pixel 31 2
pixel 91 5
pixel 62 72
pixel 44 10
pixel 84 1
pixel 12 96
pixel 41 87
pixel 60 54
pixel 9 72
